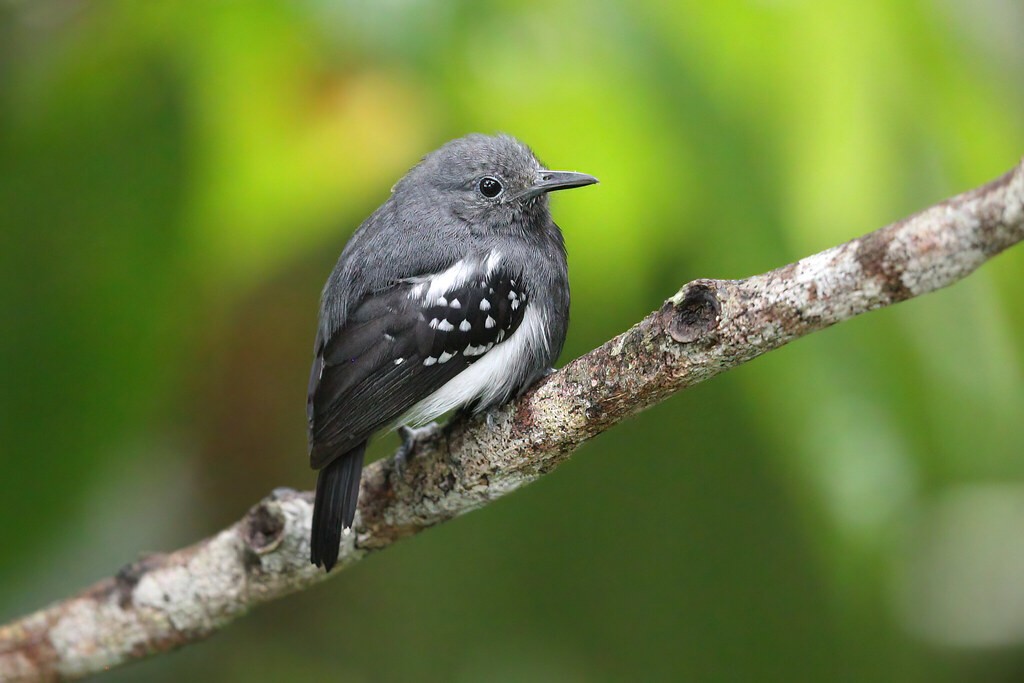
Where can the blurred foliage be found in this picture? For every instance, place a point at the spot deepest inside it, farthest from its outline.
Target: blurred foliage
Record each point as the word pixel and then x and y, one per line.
pixel 178 178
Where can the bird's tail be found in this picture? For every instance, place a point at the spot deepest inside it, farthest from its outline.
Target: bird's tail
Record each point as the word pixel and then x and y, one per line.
pixel 337 492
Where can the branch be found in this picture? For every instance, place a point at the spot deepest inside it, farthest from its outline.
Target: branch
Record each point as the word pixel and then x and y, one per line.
pixel 168 600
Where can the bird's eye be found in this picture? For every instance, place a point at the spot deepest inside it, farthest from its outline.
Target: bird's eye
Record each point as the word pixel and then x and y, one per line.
pixel 489 187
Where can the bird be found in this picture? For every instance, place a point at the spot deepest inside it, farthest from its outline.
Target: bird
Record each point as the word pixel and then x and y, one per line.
pixel 454 293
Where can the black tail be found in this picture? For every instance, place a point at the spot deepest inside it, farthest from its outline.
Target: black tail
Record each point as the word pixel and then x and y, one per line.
pixel 337 492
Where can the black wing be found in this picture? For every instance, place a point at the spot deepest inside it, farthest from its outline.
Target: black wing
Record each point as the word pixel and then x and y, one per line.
pixel 400 345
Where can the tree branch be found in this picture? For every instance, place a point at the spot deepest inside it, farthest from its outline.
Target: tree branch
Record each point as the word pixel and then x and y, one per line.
pixel 709 326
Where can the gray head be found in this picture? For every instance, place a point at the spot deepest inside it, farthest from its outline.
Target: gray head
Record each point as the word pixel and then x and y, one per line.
pixel 492 181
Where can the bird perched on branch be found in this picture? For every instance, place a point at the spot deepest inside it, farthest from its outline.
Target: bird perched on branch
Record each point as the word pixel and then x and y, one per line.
pixel 454 293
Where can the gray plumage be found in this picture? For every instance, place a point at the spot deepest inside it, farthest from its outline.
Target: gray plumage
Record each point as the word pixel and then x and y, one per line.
pixel 454 293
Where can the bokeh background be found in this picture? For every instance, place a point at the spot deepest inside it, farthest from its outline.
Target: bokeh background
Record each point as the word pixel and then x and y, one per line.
pixel 177 179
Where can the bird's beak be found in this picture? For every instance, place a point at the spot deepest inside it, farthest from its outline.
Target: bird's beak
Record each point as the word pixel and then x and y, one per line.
pixel 549 181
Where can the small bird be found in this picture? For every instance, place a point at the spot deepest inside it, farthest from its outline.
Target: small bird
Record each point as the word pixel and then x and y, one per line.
pixel 453 294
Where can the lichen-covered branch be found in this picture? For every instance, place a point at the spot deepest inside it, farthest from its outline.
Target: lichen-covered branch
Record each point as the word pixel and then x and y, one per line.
pixel 709 326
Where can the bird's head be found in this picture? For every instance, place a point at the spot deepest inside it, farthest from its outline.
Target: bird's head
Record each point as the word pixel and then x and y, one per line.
pixel 488 180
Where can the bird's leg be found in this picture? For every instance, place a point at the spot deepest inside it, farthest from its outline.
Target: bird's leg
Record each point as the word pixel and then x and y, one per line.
pixel 410 436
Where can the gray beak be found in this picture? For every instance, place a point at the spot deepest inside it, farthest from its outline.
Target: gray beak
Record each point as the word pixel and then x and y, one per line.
pixel 549 181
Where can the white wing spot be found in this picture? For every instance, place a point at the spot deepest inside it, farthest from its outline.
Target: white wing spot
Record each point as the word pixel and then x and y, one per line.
pixel 399 361
pixel 455 304
pixel 464 326
pixel 445 326
pixel 441 301
pixel 429 360
pixel 485 305
pixel 388 337
pixel 434 323
pixel 474 350
pixel 488 378
pixel 512 296
pixel 490 322
pixel 515 305
pixel 445 357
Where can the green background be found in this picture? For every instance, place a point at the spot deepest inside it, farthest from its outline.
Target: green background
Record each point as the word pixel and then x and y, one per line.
pixel 177 179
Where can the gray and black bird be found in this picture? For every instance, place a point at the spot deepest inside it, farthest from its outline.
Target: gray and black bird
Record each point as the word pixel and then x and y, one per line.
pixel 453 294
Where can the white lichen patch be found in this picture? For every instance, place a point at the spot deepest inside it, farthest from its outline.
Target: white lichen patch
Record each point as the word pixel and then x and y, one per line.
pixel 199 594
pixel 619 343
pixel 1013 210
pixel 91 636
pixel 825 280
pixel 936 249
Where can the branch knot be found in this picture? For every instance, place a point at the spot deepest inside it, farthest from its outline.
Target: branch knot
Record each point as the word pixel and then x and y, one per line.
pixel 693 313
pixel 263 527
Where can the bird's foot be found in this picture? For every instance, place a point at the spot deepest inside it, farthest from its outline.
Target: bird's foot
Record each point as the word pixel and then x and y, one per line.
pixel 410 436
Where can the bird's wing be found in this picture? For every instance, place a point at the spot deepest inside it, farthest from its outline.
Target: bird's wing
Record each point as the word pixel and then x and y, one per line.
pixel 401 344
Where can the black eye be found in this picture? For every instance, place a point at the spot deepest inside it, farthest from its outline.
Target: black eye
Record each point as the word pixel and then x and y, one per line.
pixel 489 187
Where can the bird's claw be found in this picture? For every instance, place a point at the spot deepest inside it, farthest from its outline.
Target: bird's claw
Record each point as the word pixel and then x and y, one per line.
pixel 410 436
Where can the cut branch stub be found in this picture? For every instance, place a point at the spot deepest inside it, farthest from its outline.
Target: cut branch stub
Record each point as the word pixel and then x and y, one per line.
pixel 695 314
pixel 263 527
